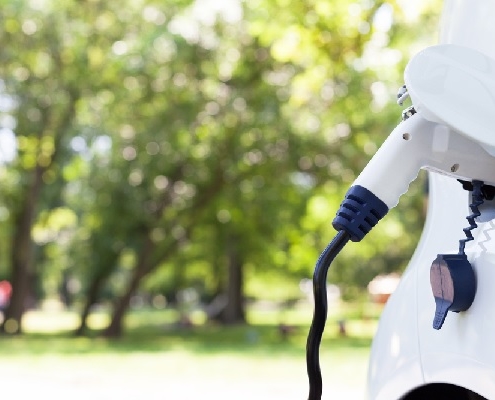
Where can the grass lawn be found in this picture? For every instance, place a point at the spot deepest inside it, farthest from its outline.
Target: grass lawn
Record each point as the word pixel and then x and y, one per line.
pixel 158 360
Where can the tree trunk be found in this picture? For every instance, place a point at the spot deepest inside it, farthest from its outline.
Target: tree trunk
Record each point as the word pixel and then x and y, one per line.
pixel 22 257
pixel 91 298
pixel 115 328
pixel 102 269
pixel 147 261
pixel 234 312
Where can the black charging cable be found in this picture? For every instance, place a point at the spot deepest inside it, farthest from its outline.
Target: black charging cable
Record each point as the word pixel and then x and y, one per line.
pixel 320 313
pixel 358 213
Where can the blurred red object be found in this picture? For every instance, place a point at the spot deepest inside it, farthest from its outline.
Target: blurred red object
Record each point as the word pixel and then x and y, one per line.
pixel 5 293
pixel 382 286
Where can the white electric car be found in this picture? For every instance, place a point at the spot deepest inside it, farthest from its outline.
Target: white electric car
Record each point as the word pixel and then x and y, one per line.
pixel 452 84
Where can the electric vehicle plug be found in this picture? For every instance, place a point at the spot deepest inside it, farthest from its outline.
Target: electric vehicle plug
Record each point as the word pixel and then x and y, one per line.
pixel 414 144
pixel 448 131
pixel 359 212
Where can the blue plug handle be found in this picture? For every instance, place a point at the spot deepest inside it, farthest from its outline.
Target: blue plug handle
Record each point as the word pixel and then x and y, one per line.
pixel 442 308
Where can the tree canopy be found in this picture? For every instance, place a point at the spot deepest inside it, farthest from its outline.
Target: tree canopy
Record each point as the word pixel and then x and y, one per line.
pixel 151 146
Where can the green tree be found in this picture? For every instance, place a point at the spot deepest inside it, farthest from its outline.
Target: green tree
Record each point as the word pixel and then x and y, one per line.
pixel 346 61
pixel 43 92
pixel 191 137
pixel 212 127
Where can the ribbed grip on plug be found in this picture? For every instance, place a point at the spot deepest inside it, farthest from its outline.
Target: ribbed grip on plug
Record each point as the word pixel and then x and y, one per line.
pixel 359 212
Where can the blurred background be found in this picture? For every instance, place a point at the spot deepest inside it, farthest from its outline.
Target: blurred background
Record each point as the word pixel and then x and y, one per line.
pixel 169 172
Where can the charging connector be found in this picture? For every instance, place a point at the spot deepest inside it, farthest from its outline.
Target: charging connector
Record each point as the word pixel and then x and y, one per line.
pixel 359 212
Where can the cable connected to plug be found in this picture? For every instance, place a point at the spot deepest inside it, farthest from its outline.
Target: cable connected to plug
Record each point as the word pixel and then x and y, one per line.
pixel 477 200
pixel 358 213
pixel 320 313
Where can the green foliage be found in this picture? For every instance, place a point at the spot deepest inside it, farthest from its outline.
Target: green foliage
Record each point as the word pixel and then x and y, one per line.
pixel 164 132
